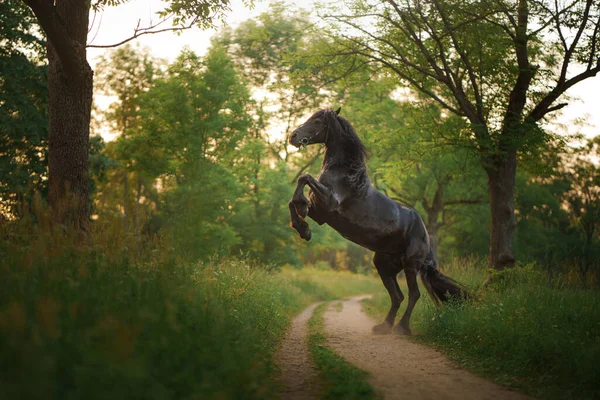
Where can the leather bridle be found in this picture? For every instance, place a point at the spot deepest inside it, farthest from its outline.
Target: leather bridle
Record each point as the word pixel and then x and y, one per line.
pixel 304 141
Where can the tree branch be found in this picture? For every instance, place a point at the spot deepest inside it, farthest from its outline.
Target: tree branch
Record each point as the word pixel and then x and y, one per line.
pixel 70 52
pixel 446 76
pixel 518 95
pixel 543 107
pixel 594 43
pixel 477 200
pixel 402 59
pixel 137 32
pixel 408 78
pixel 467 65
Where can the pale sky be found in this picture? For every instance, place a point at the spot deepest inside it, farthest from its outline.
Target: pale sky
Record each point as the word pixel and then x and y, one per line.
pixel 118 23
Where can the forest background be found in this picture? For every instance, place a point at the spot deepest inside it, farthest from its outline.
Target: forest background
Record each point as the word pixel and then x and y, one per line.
pixel 172 271
pixel 196 159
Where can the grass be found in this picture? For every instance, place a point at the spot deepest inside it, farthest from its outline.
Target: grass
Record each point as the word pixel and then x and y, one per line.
pixel 322 285
pixel 522 332
pixel 342 380
pixel 112 320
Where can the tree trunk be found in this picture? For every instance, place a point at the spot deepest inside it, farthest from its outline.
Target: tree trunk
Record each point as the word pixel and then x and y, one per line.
pixel 433 213
pixel 70 85
pixel 125 207
pixel 137 207
pixel 501 180
pixel 69 111
pixel 433 228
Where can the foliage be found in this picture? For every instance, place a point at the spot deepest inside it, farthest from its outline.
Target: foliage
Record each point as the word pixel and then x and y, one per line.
pixel 268 50
pixel 194 130
pixel 66 28
pixel 558 210
pixel 184 129
pixel 23 108
pixel 470 57
pixel 583 199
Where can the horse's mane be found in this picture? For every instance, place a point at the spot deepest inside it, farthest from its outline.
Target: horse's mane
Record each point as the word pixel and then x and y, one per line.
pixel 346 150
pixel 352 143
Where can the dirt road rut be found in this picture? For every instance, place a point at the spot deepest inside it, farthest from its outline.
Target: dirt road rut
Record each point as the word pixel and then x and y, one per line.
pixel 298 374
pixel 400 368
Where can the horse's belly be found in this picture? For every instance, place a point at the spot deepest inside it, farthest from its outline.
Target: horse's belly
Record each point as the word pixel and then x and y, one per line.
pixel 377 223
pixel 382 235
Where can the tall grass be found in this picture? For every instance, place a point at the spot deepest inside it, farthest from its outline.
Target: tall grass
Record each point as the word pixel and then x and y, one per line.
pixel 116 319
pixel 522 331
pixel 470 272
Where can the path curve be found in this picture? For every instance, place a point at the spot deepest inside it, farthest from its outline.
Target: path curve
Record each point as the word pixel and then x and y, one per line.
pixel 298 374
pixel 400 368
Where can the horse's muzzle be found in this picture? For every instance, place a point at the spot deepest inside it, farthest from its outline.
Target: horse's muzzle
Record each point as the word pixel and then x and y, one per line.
pixel 295 142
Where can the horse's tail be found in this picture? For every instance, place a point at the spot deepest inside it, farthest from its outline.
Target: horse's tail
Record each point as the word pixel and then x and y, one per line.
pixel 441 288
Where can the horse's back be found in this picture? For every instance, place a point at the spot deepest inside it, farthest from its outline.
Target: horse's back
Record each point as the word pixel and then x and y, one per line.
pixel 380 224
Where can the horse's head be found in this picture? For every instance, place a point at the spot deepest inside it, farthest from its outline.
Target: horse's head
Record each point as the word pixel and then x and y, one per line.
pixel 314 130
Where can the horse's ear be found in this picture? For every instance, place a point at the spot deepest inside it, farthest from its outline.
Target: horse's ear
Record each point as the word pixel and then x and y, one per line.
pixel 337 112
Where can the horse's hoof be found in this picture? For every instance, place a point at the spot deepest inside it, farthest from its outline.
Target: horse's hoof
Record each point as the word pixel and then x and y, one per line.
pixel 307 235
pixel 402 330
pixel 382 329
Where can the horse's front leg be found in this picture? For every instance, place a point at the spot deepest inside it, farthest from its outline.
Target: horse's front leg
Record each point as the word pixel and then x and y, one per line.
pixel 327 198
pixel 299 210
pixel 298 222
pixel 299 205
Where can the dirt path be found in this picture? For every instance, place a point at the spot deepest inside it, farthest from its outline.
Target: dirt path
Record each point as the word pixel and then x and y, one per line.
pixel 399 368
pixel 298 373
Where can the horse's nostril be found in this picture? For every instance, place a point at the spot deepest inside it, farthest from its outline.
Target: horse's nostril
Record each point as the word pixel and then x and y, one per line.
pixel 294 135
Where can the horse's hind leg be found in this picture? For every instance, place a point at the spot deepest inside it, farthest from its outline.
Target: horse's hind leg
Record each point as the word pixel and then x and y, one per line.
pixel 388 268
pixel 410 271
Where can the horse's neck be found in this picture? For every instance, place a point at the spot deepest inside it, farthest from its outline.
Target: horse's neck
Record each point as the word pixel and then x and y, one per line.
pixel 337 159
pixel 334 157
pixel 340 157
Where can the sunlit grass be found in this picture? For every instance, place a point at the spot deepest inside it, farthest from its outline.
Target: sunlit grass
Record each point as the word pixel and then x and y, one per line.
pixel 328 284
pixel 469 272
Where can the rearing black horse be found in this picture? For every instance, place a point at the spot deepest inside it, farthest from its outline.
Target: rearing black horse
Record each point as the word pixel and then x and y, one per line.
pixel 342 197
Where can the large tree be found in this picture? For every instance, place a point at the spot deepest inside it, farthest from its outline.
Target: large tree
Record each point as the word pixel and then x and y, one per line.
pixel 502 65
pixel 70 86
